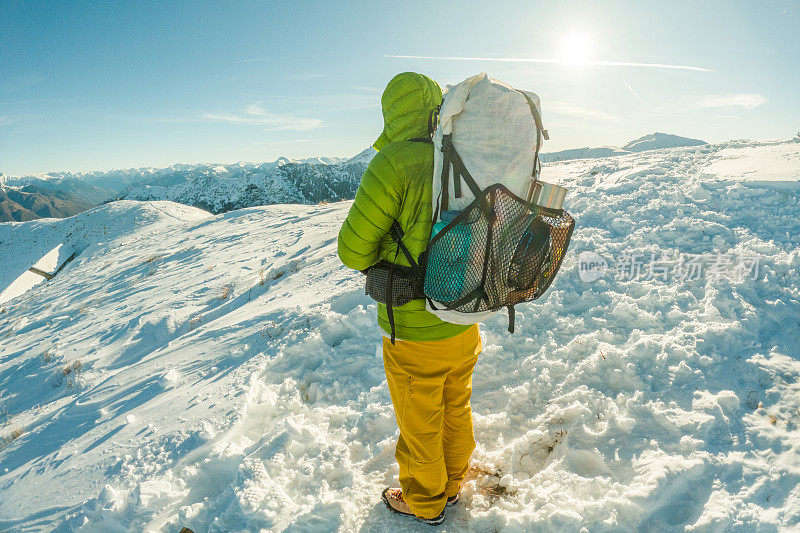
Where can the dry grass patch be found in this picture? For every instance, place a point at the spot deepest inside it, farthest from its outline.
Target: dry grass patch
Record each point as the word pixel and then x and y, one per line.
pixel 14 432
pixel 46 356
pixel 487 480
pixel 13 435
pixel 70 373
pixel 226 292
pixel 72 369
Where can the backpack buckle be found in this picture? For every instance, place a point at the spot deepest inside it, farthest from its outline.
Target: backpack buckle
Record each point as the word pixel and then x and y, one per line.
pixel 447 147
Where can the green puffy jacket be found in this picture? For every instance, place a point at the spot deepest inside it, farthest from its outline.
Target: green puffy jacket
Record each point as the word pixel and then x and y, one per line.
pixel 397 185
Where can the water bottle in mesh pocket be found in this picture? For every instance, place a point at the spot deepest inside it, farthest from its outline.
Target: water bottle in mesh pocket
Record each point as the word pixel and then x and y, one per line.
pixel 532 256
pixel 452 255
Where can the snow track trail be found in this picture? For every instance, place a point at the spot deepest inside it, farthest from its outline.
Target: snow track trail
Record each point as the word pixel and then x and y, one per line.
pixel 224 373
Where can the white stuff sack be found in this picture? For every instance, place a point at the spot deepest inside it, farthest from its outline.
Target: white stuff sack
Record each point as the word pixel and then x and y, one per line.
pixel 495 134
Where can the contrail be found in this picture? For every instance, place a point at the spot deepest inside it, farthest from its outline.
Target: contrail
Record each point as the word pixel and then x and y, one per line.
pixel 557 61
pixel 628 85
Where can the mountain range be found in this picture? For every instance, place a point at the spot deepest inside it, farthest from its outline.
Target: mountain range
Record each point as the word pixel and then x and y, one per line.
pixel 223 187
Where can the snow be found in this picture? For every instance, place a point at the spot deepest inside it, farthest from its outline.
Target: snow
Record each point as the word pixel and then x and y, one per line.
pixel 773 162
pixel 223 372
pixel 216 187
pixel 48 264
pixel 652 141
pixel 582 153
pixel 225 188
pixel 21 285
pixel 658 141
pixel 365 156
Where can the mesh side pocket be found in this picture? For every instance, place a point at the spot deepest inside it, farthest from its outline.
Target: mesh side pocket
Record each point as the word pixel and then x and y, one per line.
pixel 499 251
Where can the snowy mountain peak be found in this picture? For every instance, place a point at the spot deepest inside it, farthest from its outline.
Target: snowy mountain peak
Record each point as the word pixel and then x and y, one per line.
pixel 652 141
pixel 658 140
pixel 364 156
pixel 283 161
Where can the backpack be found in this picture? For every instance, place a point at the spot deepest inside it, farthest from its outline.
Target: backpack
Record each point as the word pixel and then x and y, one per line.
pixel 499 234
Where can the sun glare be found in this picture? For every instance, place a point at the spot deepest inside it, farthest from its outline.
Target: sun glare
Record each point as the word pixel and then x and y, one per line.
pixel 575 49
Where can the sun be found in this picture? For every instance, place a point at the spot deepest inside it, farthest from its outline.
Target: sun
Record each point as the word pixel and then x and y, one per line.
pixel 575 49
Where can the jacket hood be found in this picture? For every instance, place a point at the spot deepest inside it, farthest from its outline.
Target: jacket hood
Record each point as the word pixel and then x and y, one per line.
pixel 407 103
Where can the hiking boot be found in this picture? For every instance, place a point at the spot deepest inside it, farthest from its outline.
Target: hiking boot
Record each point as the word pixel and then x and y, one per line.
pixel 452 500
pixel 393 499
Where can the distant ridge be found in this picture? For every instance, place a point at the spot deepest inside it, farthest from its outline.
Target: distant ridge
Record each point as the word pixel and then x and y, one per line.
pixel 657 141
pixel 213 187
pixel 32 202
pixel 217 187
pixel 652 141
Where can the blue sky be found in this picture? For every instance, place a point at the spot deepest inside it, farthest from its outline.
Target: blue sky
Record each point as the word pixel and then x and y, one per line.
pixel 100 85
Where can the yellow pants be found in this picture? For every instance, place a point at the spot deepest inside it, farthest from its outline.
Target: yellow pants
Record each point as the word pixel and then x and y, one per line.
pixel 431 384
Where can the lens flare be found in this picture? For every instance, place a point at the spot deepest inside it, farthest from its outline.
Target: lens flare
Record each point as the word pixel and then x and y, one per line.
pixel 576 49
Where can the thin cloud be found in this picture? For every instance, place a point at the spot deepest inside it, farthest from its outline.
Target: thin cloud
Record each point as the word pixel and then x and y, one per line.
pixel 720 102
pixel 272 58
pixel 747 101
pixel 556 61
pixel 572 110
pixel 256 115
pixel 628 85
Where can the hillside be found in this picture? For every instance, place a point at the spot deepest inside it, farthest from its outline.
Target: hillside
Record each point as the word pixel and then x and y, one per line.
pixel 659 141
pixel 230 187
pixel 582 153
pixel 32 202
pixel 222 372
pixel 652 141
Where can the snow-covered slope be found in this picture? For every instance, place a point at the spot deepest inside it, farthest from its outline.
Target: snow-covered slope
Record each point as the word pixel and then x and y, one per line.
pixel 582 153
pixel 222 372
pixel 652 141
pixel 658 141
pixel 771 163
pixel 364 156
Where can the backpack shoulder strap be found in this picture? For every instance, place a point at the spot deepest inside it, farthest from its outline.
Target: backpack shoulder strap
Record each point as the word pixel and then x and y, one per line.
pixel 541 133
pixel 396 233
pixel 450 158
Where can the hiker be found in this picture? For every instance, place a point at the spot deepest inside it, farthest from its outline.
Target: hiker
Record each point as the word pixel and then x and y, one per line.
pixel 430 362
